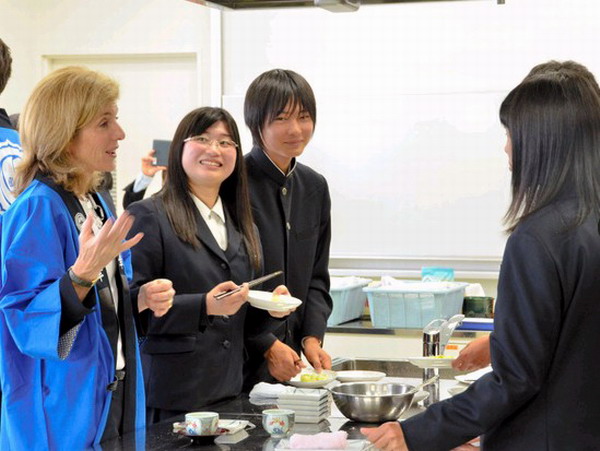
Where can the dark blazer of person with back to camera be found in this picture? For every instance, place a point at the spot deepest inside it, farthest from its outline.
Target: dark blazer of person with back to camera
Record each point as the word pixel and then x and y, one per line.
pixel 543 391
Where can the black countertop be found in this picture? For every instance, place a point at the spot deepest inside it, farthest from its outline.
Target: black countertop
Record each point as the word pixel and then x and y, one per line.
pixel 160 436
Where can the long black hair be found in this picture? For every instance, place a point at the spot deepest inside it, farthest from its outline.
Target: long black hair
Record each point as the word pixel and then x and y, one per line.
pixel 553 121
pixel 180 207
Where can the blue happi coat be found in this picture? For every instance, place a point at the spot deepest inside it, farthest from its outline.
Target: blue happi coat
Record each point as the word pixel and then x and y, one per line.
pixel 10 156
pixel 50 401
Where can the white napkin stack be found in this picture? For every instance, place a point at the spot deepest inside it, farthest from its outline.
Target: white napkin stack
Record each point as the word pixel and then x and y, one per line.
pixel 263 393
pixel 311 405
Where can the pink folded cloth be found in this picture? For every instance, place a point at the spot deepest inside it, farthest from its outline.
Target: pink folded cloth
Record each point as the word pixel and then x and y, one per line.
pixel 323 440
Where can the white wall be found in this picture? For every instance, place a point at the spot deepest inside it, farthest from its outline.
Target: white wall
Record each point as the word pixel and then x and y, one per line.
pixel 43 32
pixel 15 17
pixel 417 48
pixel 379 54
pixel 34 28
pixel 447 197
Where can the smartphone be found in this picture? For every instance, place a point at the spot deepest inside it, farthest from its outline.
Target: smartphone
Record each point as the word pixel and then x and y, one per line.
pixel 161 148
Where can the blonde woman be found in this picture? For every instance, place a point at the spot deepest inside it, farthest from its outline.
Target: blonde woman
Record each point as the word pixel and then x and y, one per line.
pixel 69 364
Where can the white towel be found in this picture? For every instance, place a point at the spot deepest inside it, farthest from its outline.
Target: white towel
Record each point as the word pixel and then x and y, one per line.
pixel 323 440
pixel 263 393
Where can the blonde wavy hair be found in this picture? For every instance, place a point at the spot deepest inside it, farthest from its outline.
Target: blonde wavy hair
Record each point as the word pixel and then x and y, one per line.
pixel 60 105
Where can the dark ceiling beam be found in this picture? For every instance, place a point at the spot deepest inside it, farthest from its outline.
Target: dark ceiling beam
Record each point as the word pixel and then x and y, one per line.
pixel 263 4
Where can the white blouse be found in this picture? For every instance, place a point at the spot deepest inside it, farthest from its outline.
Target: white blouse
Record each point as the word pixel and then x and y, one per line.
pixel 89 206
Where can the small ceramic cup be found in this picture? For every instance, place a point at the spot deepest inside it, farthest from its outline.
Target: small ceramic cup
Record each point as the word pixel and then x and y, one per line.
pixel 201 423
pixel 278 422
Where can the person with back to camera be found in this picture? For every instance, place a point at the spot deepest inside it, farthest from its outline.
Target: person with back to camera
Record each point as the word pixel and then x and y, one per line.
pixel 69 362
pixel 543 390
pixel 10 144
pixel 476 354
pixel 199 233
pixel 291 206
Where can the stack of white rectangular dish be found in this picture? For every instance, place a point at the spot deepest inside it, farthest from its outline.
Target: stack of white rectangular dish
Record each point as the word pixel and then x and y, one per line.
pixel 311 405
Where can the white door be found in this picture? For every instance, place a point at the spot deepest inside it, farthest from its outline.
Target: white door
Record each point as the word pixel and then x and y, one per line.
pixel 156 92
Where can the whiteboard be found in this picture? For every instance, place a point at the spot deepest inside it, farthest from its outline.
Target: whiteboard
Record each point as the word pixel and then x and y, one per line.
pixel 429 181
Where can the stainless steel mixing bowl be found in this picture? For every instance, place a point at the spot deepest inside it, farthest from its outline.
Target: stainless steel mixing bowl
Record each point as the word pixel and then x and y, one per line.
pixel 372 402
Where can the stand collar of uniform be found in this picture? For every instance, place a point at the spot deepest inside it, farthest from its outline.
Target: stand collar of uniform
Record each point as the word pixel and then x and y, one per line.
pixel 270 167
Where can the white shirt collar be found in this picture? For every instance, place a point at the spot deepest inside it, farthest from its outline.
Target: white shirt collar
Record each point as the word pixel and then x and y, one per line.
pixel 205 212
pixel 214 219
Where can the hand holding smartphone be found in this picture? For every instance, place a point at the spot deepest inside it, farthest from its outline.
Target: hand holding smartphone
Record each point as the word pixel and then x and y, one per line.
pixel 161 151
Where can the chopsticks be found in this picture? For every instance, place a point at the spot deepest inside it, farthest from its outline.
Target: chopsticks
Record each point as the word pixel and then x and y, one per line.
pixel 224 294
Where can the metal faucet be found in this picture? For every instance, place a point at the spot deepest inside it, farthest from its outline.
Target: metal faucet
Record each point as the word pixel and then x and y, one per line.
pixel 436 335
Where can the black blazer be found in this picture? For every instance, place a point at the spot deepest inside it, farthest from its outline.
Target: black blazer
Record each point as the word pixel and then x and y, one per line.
pixel 543 393
pixel 293 216
pixel 190 359
pixel 130 196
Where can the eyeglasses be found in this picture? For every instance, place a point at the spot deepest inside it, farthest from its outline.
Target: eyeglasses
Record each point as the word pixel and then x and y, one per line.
pixel 205 141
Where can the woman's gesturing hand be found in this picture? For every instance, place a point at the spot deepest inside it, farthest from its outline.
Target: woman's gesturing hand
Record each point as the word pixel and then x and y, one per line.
pixel 97 251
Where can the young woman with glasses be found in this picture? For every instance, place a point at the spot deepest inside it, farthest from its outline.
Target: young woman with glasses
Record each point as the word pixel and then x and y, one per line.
pixel 199 233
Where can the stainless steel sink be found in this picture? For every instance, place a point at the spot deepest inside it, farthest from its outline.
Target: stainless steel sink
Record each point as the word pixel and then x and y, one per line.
pixel 393 368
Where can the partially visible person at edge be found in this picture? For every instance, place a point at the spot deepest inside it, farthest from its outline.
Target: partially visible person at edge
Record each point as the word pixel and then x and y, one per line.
pixel 476 354
pixel 291 206
pixel 542 393
pixel 199 233
pixel 69 362
pixel 10 144
pixel 135 190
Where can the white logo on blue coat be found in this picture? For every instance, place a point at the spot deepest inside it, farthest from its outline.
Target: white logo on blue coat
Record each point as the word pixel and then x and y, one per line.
pixel 10 156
